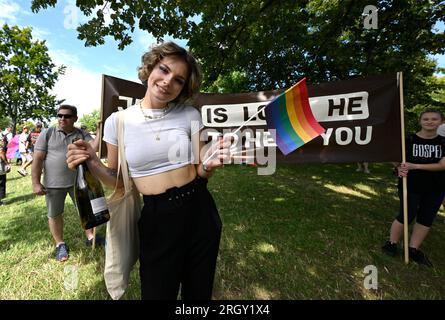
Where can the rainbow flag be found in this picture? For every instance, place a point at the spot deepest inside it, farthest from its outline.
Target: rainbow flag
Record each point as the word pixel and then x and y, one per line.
pixel 291 116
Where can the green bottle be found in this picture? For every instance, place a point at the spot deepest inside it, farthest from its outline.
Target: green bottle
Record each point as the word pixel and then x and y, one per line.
pixel 90 199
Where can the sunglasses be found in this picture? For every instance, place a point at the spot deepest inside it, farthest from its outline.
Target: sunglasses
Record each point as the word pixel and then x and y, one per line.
pixel 65 116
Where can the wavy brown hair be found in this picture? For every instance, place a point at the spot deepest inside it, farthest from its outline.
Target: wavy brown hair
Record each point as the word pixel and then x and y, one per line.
pixel 151 58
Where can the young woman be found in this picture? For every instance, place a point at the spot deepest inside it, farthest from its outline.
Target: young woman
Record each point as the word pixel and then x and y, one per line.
pixel 179 227
pixel 425 155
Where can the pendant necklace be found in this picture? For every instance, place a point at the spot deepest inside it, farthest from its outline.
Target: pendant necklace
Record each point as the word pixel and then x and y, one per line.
pixel 148 118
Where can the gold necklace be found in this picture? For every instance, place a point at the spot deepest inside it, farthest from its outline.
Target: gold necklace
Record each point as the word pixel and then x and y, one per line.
pixel 152 117
pixel 157 137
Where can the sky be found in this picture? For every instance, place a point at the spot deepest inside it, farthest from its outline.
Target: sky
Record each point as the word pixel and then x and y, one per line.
pixel 81 85
pixel 82 81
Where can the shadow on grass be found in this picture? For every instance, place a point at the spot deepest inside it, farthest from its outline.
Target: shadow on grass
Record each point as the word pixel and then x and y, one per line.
pixel 308 232
pixel 24 227
pixel 10 179
pixel 22 198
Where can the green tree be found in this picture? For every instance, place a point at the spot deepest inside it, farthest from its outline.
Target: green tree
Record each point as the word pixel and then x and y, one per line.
pixel 275 43
pixel 236 81
pixel 437 102
pixel 27 74
pixel 90 120
pixel 4 122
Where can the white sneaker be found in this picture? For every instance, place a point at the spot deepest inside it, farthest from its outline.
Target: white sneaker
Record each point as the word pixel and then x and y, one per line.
pixel 22 172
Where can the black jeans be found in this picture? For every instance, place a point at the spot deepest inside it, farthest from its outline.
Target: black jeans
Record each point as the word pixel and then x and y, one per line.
pixel 179 235
pixel 2 186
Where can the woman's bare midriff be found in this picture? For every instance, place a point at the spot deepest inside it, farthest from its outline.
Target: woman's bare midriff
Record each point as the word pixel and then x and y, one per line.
pixel 159 183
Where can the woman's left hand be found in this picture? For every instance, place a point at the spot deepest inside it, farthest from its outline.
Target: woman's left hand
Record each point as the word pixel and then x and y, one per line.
pixel 405 167
pixel 218 153
pixel 408 166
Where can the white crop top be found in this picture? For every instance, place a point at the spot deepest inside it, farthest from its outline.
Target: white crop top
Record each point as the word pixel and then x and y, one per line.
pixel 145 154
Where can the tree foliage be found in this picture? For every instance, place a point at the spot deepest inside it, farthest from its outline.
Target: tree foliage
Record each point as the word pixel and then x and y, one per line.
pixel 26 76
pixel 275 43
pixel 90 120
pixel 4 122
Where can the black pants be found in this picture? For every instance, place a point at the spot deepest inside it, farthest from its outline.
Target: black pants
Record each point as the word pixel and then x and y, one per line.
pixel 422 206
pixel 2 186
pixel 179 235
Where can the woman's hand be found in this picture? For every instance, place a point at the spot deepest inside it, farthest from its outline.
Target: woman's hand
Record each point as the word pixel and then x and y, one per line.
pixel 78 152
pixel 404 168
pixel 218 153
pixel 409 166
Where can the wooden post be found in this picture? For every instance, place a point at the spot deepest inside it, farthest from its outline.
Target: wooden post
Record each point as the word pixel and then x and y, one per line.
pixel 404 179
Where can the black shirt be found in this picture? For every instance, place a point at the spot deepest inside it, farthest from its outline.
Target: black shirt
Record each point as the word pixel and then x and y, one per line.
pixel 425 151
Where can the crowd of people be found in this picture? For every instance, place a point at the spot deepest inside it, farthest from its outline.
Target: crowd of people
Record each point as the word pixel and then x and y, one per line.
pixel 180 227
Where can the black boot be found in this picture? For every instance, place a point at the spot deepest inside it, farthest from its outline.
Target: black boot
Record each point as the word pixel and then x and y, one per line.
pixel 419 257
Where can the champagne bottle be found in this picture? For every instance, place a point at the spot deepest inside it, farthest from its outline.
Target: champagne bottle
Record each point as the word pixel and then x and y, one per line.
pixel 90 199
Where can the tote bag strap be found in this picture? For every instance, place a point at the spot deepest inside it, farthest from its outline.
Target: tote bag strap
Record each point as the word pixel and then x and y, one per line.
pixel 122 161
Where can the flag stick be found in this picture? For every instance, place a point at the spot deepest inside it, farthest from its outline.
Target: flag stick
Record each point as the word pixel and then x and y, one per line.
pixel 247 150
pixel 239 128
pixel 404 179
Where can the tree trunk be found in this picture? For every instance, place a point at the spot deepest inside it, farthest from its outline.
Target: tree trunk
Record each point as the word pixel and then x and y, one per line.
pixel 13 126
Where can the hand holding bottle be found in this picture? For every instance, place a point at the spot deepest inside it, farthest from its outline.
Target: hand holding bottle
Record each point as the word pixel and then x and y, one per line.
pixel 78 152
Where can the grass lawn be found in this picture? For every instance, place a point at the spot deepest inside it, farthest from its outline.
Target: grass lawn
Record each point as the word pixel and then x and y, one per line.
pixel 306 232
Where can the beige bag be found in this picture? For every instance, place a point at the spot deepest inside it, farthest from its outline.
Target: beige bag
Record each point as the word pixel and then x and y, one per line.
pixel 122 249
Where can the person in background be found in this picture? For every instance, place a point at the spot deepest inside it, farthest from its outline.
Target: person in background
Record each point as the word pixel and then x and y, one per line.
pixel 424 167
pixel 363 166
pixel 3 142
pixel 180 227
pixel 50 157
pixel 7 132
pixel 7 135
pixel 3 163
pixel 32 139
pixel 25 156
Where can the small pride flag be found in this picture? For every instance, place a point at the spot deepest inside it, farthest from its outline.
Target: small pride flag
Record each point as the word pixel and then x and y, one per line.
pixel 291 116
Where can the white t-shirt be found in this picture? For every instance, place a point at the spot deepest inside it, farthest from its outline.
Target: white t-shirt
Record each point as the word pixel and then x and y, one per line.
pixel 8 135
pixel 22 142
pixel 144 153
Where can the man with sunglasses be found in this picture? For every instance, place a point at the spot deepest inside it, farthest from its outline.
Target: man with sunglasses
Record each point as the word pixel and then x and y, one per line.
pixel 58 181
